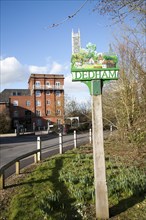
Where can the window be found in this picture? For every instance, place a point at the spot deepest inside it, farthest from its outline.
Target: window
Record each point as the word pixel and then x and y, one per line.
pixel 15 103
pixel 58 93
pixel 38 103
pixel 48 102
pixel 58 112
pixel 48 93
pixel 38 113
pixel 48 112
pixel 38 93
pixel 57 84
pixel 48 84
pixel 15 114
pixel 58 121
pixel 37 84
pixel 27 103
pixel 58 103
pixel 16 93
pixel 39 122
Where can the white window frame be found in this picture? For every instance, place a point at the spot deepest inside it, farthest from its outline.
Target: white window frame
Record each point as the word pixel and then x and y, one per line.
pixel 58 103
pixel 58 121
pixel 38 113
pixel 58 112
pixel 48 92
pixel 37 93
pixel 48 112
pixel 58 93
pixel 57 84
pixel 27 102
pixel 37 84
pixel 48 84
pixel 48 102
pixel 15 103
pixel 38 103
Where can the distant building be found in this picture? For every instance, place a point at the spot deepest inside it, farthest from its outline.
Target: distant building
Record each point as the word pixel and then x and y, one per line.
pixel 76 42
pixel 39 105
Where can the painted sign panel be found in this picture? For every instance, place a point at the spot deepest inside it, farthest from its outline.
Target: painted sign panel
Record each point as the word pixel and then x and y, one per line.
pixel 89 65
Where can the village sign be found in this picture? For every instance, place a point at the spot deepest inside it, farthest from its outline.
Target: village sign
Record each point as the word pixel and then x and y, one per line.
pixel 95 69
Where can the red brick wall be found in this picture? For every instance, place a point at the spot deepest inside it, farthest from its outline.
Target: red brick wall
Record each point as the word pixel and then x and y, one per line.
pixel 21 104
pixel 51 79
pixel 22 107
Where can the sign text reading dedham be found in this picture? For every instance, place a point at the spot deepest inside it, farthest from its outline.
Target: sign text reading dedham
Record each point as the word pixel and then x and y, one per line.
pixel 93 75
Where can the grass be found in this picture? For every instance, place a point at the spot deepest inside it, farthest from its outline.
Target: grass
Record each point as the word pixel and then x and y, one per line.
pixel 62 188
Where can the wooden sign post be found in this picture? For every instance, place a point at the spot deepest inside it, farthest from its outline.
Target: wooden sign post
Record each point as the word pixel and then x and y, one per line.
pixel 101 195
pixel 94 70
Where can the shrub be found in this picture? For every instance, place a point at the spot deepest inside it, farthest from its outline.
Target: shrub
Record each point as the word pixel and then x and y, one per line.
pixel 5 123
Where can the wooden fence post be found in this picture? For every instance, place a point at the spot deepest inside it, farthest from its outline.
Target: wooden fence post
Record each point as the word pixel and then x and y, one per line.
pixel 111 128
pixel 2 180
pixel 39 148
pixel 35 157
pixel 17 164
pixel 60 143
pixel 75 139
pixel 90 136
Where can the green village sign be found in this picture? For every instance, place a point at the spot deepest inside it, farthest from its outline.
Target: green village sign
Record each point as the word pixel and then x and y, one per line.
pixel 95 69
pixel 87 66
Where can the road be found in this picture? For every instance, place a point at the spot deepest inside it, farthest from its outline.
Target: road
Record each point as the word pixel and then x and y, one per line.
pixel 12 147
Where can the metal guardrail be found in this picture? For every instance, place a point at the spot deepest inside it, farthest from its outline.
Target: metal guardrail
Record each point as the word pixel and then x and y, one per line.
pixel 37 156
pixel 16 161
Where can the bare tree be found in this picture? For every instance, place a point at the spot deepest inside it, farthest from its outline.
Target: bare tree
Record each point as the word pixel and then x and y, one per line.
pixel 118 10
pixel 73 108
pixel 5 122
pixel 126 104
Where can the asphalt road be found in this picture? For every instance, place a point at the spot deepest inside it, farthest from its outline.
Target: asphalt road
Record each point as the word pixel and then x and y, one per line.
pixel 12 147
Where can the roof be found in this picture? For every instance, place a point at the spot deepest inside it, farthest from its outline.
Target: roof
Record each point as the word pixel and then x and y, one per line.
pixel 6 93
pixel 46 76
pixel 108 62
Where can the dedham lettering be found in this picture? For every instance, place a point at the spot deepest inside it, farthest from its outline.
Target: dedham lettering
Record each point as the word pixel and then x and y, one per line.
pixel 92 75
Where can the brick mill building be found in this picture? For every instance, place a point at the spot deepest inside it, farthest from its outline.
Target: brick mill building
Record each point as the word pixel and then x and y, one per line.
pixel 39 105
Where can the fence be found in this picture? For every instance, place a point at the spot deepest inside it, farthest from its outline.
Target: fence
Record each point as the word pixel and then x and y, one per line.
pixel 37 156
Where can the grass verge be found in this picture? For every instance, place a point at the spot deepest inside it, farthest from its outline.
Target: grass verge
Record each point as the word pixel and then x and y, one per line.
pixel 62 188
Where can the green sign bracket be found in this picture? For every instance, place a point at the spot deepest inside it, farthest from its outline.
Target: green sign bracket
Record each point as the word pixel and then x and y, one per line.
pixel 95 86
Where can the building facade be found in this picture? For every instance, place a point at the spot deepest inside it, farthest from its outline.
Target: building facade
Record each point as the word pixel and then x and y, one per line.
pixel 38 106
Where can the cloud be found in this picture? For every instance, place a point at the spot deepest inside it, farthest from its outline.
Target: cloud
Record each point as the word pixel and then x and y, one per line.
pixel 12 70
pixel 15 75
pixel 38 69
pixel 76 89
pixel 56 68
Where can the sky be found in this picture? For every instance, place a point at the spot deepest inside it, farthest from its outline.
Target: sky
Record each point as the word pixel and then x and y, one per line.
pixel 28 45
